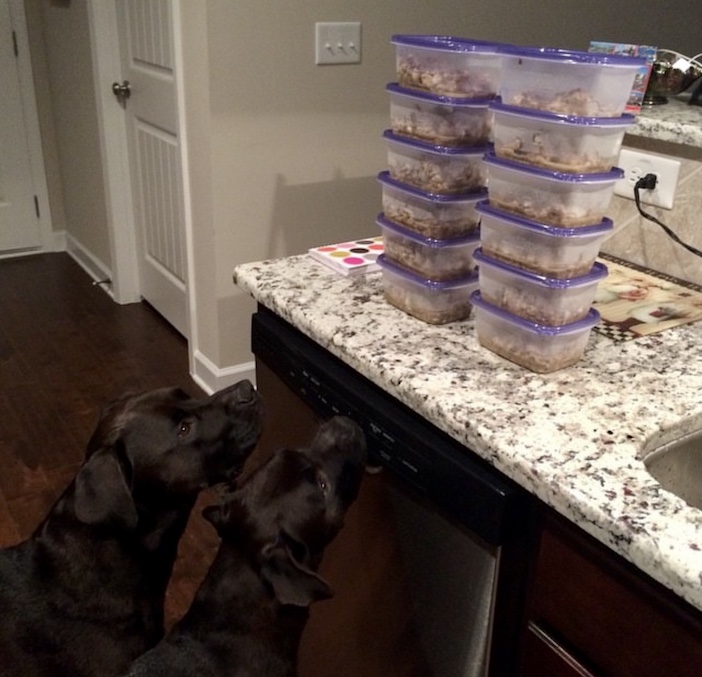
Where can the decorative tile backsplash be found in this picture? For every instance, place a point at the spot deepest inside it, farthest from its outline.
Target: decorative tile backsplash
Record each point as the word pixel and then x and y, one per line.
pixel 641 241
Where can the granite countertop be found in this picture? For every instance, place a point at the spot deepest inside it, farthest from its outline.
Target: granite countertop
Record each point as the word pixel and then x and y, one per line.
pixel 574 438
pixel 675 121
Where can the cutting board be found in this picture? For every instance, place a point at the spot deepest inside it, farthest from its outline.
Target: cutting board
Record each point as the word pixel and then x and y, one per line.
pixel 635 301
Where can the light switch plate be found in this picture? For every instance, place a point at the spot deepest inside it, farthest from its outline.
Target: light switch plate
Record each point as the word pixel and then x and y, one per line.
pixel 338 42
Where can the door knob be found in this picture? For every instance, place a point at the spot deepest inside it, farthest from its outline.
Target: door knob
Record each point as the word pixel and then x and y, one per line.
pixel 121 91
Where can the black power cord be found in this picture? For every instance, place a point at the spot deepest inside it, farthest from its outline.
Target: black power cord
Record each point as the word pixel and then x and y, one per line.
pixel 648 182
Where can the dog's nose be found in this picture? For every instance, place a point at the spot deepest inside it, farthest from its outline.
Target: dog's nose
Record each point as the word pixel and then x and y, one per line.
pixel 241 393
pixel 244 392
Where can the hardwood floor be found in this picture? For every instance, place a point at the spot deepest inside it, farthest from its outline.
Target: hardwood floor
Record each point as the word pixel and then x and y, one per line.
pixel 66 350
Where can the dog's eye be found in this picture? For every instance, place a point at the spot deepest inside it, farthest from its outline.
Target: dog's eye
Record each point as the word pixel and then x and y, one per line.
pixel 323 484
pixel 184 428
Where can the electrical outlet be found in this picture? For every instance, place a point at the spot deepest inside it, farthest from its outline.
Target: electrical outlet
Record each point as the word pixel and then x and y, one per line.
pixel 636 165
pixel 338 42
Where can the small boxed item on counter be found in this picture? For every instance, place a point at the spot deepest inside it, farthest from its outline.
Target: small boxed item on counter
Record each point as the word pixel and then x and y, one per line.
pixel 430 214
pixel 546 300
pixel 447 65
pixel 353 257
pixel 554 198
pixel 537 347
pixel 428 300
pixel 439 119
pixel 587 84
pixel 548 250
pixel 564 143
pixel 445 170
pixel 431 258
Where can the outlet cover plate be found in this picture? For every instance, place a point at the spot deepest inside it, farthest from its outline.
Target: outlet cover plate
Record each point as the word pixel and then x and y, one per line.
pixel 338 42
pixel 636 165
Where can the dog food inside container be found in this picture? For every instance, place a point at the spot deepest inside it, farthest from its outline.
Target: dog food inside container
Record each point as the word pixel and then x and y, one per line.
pixel 426 256
pixel 567 82
pixel 546 300
pixel 428 300
pixel 439 119
pixel 430 214
pixel 554 198
pixel 564 143
pixel 445 170
pixel 547 250
pixel 541 349
pixel 446 65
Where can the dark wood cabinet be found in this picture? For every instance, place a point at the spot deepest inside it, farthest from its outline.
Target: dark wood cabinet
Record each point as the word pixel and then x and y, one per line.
pixel 591 613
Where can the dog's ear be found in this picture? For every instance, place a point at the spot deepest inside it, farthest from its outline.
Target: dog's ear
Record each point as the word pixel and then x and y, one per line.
pixel 102 494
pixel 292 582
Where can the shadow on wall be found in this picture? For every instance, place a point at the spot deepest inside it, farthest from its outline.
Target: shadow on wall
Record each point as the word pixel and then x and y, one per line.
pixel 312 214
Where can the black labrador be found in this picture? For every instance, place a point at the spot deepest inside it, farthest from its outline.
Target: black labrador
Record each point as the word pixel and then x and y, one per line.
pixel 84 595
pixel 248 615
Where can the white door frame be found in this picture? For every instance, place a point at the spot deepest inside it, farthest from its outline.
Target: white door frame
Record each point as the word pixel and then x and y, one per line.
pixel 31 121
pixel 107 68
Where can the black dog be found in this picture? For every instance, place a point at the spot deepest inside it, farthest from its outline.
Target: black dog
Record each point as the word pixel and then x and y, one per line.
pixel 248 615
pixel 84 595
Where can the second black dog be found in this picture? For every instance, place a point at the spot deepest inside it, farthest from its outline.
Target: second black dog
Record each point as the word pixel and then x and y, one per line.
pixel 248 615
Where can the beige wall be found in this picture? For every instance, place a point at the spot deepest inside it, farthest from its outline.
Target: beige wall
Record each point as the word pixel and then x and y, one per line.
pixel 284 153
pixel 62 64
pixel 296 147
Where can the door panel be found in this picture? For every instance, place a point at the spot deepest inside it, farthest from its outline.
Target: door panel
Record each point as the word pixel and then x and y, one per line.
pixel 19 224
pixel 154 153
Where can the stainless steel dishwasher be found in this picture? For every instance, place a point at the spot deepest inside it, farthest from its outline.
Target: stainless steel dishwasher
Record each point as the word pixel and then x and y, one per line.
pixel 457 527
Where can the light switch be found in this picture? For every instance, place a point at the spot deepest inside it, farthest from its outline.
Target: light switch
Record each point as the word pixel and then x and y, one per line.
pixel 338 42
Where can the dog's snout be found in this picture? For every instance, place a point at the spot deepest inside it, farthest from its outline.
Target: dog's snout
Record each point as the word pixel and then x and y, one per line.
pixel 240 394
pixel 245 392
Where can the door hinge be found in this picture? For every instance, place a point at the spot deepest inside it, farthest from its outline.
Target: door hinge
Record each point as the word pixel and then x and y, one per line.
pixel 14 44
pixel 36 206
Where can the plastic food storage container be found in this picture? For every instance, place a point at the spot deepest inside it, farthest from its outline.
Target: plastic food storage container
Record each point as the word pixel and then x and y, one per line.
pixel 447 65
pixel 444 170
pixel 431 258
pixel 568 82
pixel 427 300
pixel 537 347
pixel 564 143
pixel 555 198
pixel 548 250
pixel 439 119
pixel 430 214
pixel 546 300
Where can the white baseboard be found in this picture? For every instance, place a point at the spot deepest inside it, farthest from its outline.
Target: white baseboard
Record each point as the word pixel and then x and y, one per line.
pixel 212 378
pixel 92 265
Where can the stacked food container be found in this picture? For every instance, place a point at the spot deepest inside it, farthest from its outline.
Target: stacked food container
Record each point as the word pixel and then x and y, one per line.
pixel 558 127
pixel 440 130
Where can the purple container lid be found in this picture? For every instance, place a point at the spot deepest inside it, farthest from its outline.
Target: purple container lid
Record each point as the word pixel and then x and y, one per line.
pixel 431 148
pixel 606 225
pixel 625 120
pixel 447 43
pixel 598 177
pixel 572 56
pixel 385 178
pixel 435 243
pixel 598 272
pixel 433 285
pixel 394 88
pixel 587 322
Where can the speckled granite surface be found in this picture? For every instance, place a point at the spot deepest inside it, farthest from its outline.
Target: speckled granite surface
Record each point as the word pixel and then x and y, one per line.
pixel 674 121
pixel 574 438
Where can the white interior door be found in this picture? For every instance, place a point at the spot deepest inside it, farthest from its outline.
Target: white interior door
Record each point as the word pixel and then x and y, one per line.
pixel 19 223
pixel 146 46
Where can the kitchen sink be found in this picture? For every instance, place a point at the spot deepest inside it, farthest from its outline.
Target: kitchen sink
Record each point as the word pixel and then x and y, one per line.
pixel 677 466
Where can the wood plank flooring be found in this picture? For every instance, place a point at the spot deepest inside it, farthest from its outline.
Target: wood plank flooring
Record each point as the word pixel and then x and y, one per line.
pixel 66 350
